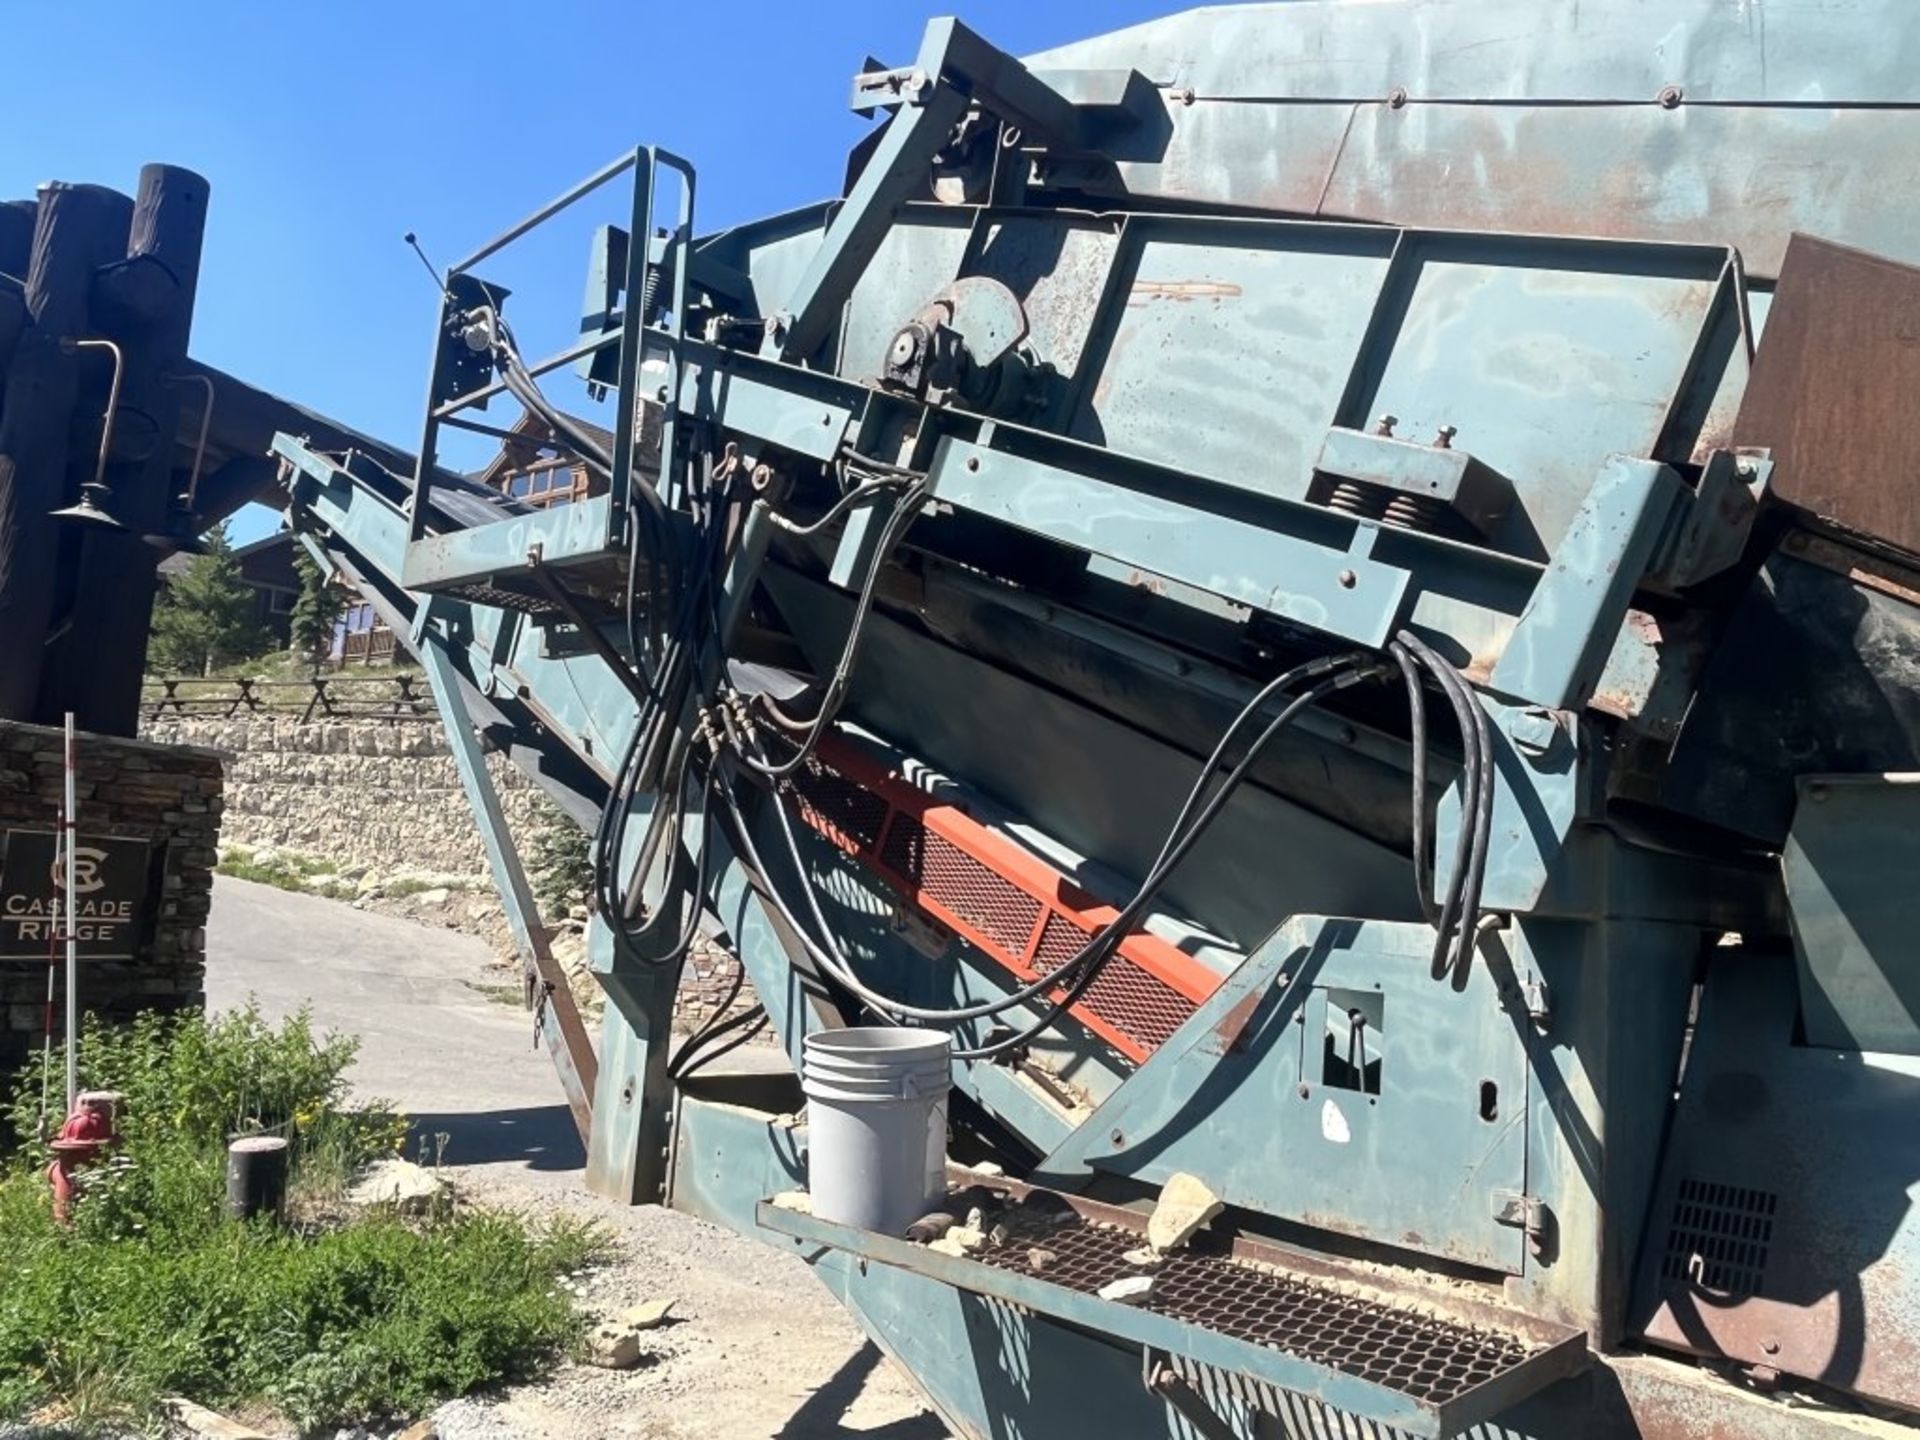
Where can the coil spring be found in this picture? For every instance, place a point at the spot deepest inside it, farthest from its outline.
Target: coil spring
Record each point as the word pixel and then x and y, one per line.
pixel 1355 497
pixel 1415 512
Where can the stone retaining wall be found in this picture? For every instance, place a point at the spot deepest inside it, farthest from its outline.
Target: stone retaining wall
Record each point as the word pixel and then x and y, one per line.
pixel 360 793
pixel 169 796
pixel 386 799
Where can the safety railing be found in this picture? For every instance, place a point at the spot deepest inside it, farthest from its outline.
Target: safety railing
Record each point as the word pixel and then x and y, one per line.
pixel 631 276
pixel 397 699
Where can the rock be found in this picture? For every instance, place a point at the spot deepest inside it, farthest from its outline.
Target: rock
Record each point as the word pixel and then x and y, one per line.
pixel 1040 1259
pixel 435 897
pixel 998 1236
pixel 977 1219
pixel 947 1245
pixel 1145 1258
pixel 409 1188
pixel 967 1237
pixel 200 1423
pixel 648 1315
pixel 929 1228
pixel 798 1201
pixel 1185 1205
pixel 420 1430
pixel 1133 1290
pixel 988 1167
pixel 613 1346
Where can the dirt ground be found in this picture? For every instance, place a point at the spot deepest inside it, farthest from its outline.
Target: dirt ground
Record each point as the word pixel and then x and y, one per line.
pixel 756 1348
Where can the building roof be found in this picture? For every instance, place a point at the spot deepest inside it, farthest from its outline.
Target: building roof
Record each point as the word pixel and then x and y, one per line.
pixel 177 563
pixel 532 436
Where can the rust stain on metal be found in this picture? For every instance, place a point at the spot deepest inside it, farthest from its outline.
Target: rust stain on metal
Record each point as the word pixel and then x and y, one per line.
pixel 1862 569
pixel 1233 1025
pixel 1829 389
pixel 1181 290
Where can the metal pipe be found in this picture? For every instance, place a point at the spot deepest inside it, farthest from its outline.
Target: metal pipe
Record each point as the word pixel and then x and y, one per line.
pixel 69 836
pixel 113 398
pixel 545 212
pixel 206 423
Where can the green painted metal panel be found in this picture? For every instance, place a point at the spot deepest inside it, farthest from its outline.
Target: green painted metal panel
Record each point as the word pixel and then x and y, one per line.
pixel 1852 864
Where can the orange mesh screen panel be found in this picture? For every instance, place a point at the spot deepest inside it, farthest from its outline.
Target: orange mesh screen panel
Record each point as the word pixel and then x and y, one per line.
pixel 1010 905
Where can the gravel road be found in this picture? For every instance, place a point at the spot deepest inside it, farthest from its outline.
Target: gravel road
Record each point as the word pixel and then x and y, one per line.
pixel 756 1348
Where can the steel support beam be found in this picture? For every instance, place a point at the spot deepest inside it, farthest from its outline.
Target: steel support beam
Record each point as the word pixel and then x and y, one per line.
pixel 561 1029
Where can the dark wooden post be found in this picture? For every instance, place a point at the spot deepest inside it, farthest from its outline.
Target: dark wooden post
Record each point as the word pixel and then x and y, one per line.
pixel 16 250
pixel 16 237
pixel 77 228
pixel 145 303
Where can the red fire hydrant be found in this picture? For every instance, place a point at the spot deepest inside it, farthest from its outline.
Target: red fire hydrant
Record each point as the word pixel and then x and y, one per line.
pixel 87 1132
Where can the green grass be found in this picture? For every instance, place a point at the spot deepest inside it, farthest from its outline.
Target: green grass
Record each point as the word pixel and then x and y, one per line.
pixel 287 871
pixel 330 1321
pixel 512 996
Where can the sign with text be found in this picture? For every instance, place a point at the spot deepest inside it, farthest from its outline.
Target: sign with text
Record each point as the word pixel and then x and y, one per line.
pixel 110 888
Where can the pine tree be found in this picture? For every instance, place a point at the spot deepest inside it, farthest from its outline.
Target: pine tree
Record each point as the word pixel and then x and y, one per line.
pixel 205 615
pixel 315 609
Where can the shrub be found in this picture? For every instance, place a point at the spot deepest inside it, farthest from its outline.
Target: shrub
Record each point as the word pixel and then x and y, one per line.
pixel 153 1292
pixel 559 863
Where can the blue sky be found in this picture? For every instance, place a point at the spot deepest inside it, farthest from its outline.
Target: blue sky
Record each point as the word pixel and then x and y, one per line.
pixel 327 130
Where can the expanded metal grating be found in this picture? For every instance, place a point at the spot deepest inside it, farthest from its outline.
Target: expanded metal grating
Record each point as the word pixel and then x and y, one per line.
pixel 1135 1003
pixel 999 903
pixel 1432 1359
pixel 842 811
pixel 961 885
pixel 1719 1236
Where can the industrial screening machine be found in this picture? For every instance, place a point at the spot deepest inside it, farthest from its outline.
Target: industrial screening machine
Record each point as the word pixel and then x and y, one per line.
pixel 1334 590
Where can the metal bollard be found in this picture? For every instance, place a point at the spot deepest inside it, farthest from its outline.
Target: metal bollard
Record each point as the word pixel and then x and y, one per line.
pixel 256 1176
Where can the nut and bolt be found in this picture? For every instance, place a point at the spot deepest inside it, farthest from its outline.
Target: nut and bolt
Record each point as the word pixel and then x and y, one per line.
pixel 1670 97
pixel 1443 437
pixel 1396 97
pixel 1384 425
pixel 1534 731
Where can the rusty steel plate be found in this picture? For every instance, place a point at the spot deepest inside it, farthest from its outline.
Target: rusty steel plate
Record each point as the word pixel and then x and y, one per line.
pixel 1832 387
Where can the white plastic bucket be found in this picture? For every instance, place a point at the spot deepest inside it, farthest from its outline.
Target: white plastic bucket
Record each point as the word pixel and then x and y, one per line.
pixel 876 1124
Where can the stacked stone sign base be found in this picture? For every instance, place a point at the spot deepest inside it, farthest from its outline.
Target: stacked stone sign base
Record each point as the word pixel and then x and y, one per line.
pixel 149 822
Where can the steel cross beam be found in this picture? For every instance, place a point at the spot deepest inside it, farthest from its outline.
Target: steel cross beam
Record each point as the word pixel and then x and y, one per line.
pixel 954 70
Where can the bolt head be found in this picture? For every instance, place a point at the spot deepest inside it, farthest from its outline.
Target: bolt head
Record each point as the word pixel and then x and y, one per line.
pixel 1533 731
pixel 1348 579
